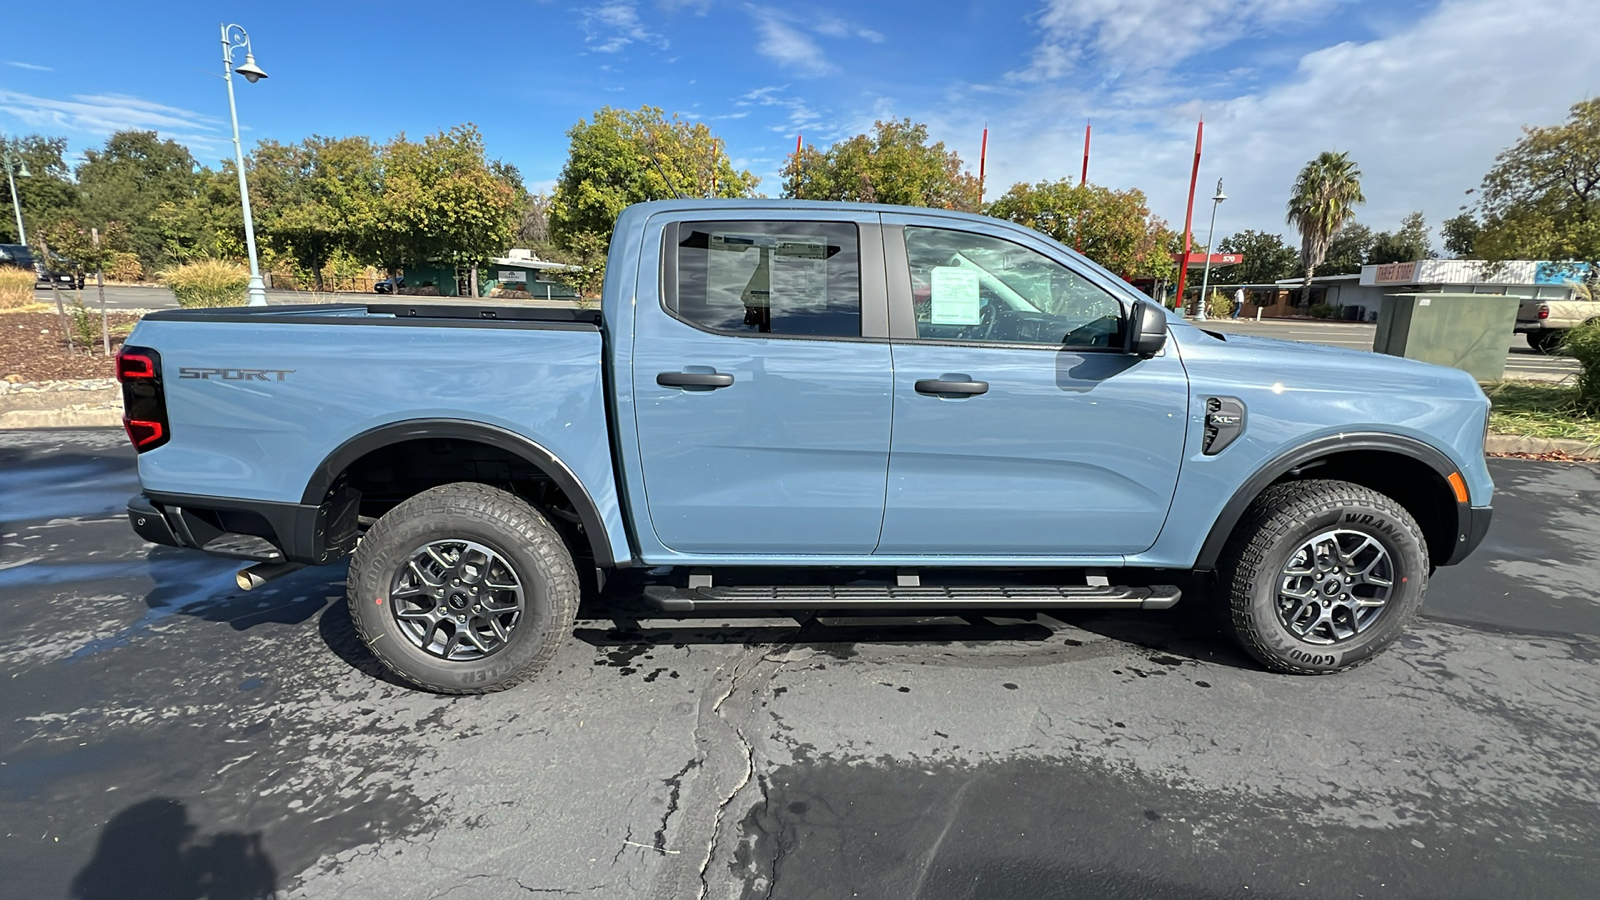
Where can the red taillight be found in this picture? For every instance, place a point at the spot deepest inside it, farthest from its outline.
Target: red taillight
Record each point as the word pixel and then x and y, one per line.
pixel 134 365
pixel 1544 311
pixel 143 433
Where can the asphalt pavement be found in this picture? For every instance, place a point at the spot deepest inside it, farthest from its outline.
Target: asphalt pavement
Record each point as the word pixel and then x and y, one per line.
pixel 164 735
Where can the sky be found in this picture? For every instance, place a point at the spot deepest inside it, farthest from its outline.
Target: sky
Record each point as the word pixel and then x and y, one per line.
pixel 1421 94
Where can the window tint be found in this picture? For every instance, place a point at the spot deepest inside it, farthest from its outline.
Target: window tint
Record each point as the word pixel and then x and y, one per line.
pixel 780 278
pixel 972 287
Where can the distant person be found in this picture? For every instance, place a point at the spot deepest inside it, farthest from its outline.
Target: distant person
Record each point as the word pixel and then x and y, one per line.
pixel 1238 302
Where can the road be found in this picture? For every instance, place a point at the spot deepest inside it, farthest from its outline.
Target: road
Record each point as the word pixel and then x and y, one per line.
pixel 164 735
pixel 1522 361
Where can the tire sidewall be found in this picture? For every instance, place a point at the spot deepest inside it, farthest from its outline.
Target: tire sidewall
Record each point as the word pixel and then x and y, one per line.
pixel 1408 555
pixel 373 572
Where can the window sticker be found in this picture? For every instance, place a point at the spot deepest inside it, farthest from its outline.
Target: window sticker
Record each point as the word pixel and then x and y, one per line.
pixel 955 296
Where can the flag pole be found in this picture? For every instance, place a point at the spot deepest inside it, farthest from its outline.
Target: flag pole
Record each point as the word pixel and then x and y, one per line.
pixel 1188 217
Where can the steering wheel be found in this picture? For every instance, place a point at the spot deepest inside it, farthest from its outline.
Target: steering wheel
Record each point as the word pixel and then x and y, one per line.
pixel 985 327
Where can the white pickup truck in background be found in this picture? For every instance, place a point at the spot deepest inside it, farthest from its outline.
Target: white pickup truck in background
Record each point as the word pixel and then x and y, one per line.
pixel 1545 322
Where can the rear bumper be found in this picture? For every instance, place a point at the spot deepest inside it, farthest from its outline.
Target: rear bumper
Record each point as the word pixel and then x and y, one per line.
pixel 1529 327
pixel 1471 526
pixel 256 530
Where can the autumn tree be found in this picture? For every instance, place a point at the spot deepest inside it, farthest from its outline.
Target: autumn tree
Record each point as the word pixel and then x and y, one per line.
pixel 1114 228
pixel 894 164
pixel 1266 257
pixel 1542 198
pixel 624 157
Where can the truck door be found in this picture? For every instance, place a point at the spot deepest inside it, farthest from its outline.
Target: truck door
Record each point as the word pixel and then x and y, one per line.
pixel 763 385
pixel 1020 429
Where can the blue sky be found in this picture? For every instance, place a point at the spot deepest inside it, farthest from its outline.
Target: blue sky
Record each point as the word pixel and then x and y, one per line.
pixel 1423 94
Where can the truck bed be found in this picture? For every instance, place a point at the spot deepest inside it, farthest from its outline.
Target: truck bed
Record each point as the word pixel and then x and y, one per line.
pixel 433 311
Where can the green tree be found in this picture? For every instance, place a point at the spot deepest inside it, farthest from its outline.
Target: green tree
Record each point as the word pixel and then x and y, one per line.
pixel 1460 233
pixel 127 180
pixel 47 193
pixel 312 198
pixel 625 157
pixel 1542 198
pixel 1410 243
pixel 1116 228
pixel 440 200
pixel 895 164
pixel 1266 257
pixel 207 224
pixel 1322 201
pixel 1348 250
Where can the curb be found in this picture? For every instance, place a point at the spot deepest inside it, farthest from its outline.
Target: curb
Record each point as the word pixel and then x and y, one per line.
pixel 61 418
pixel 1511 443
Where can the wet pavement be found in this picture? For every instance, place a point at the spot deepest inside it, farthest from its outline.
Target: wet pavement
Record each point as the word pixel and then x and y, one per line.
pixel 164 735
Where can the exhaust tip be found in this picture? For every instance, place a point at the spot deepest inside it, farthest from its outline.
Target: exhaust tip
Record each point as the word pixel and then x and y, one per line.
pixel 255 576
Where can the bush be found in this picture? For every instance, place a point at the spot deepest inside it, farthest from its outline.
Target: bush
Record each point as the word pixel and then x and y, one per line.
pixel 1583 343
pixel 1220 306
pixel 1323 310
pixel 208 282
pixel 124 267
pixel 16 287
pixel 85 325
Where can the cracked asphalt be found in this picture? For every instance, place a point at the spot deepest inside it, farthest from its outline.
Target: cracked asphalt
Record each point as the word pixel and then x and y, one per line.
pixel 163 735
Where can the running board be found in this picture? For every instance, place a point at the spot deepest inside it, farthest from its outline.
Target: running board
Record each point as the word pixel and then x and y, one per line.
pixel 785 597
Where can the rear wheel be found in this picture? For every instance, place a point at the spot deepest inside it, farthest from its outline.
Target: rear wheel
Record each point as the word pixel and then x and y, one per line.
pixel 1321 576
pixel 1545 341
pixel 463 589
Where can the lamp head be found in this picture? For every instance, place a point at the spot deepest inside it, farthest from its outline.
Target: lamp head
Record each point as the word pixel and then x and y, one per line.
pixel 22 171
pixel 251 72
pixel 1220 196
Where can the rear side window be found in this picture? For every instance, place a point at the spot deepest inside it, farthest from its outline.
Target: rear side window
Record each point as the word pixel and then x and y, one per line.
pixel 797 279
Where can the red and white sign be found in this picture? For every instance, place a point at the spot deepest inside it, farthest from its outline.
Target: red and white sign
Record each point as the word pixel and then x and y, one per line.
pixel 1216 259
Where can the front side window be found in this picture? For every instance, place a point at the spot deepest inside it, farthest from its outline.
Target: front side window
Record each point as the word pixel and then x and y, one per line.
pixel 800 279
pixel 972 287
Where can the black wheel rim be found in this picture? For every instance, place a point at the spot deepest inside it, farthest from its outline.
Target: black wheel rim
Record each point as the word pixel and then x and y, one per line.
pixel 456 600
pixel 1335 586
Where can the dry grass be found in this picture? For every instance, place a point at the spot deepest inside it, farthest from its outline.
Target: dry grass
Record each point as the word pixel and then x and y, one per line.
pixel 1540 410
pixel 16 287
pixel 208 282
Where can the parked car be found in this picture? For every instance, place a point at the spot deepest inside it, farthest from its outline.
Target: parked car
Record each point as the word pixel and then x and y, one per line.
pixel 1546 322
pixel 18 256
pixel 790 406
pixel 389 285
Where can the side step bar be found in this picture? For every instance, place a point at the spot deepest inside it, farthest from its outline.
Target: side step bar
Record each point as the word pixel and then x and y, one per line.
pixel 742 599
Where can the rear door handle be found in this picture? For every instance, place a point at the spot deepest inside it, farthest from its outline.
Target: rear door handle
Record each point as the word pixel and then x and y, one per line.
pixel 940 386
pixel 711 380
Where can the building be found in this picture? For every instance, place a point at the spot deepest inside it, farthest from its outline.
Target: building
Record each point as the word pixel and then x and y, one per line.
pixel 1357 297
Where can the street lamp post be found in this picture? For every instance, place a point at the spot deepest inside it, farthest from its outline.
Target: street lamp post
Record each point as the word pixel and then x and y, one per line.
pixel 233 38
pixel 13 172
pixel 1205 280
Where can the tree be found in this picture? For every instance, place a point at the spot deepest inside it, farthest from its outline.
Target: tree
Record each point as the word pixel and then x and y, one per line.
pixel 895 164
pixel 311 198
pixel 1116 228
pixel 1460 234
pixel 1542 198
pixel 1321 202
pixel 625 157
pixel 1410 243
pixel 126 181
pixel 440 200
pixel 1348 250
pixel 47 194
pixel 1266 257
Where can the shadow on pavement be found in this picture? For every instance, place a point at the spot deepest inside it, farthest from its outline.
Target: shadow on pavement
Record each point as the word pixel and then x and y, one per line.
pixel 150 851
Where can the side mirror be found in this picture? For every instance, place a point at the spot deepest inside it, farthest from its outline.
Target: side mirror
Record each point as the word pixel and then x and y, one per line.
pixel 1147 329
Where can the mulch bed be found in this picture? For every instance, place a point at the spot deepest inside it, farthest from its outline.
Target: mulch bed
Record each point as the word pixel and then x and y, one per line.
pixel 33 346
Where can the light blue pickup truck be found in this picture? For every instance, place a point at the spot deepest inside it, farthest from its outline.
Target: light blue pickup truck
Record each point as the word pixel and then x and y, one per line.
pixel 795 407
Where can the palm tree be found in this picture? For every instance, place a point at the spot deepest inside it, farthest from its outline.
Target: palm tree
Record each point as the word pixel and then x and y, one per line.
pixel 1323 201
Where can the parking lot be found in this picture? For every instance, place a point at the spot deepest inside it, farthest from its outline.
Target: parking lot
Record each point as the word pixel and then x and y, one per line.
pixel 164 735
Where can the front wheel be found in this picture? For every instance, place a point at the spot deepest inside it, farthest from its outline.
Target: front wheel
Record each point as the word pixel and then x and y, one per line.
pixel 463 589
pixel 1321 576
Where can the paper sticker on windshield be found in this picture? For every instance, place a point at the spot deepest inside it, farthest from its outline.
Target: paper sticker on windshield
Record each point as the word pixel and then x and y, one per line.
pixel 955 296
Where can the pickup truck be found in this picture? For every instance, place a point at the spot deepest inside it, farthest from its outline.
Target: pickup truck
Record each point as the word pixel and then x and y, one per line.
pixel 1546 322
pixel 795 407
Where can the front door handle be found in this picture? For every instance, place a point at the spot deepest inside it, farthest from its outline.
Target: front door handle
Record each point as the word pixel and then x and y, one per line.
pixel 711 380
pixel 941 386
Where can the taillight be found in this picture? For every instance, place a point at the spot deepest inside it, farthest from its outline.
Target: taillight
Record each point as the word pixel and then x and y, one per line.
pixel 144 402
pixel 1544 310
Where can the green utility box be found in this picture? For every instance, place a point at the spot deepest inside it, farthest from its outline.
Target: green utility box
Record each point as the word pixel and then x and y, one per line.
pixel 1470 332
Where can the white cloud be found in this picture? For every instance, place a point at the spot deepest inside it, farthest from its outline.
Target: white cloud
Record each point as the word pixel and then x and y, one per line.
pixel 1139 35
pixel 102 114
pixel 29 66
pixel 1423 109
pixel 614 25
pixel 790 47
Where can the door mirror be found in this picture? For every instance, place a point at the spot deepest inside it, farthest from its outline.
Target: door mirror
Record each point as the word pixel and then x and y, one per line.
pixel 1147 329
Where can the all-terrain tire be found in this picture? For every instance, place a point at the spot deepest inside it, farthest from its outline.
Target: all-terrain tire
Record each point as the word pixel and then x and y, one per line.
pixel 524 542
pixel 1547 342
pixel 1275 528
